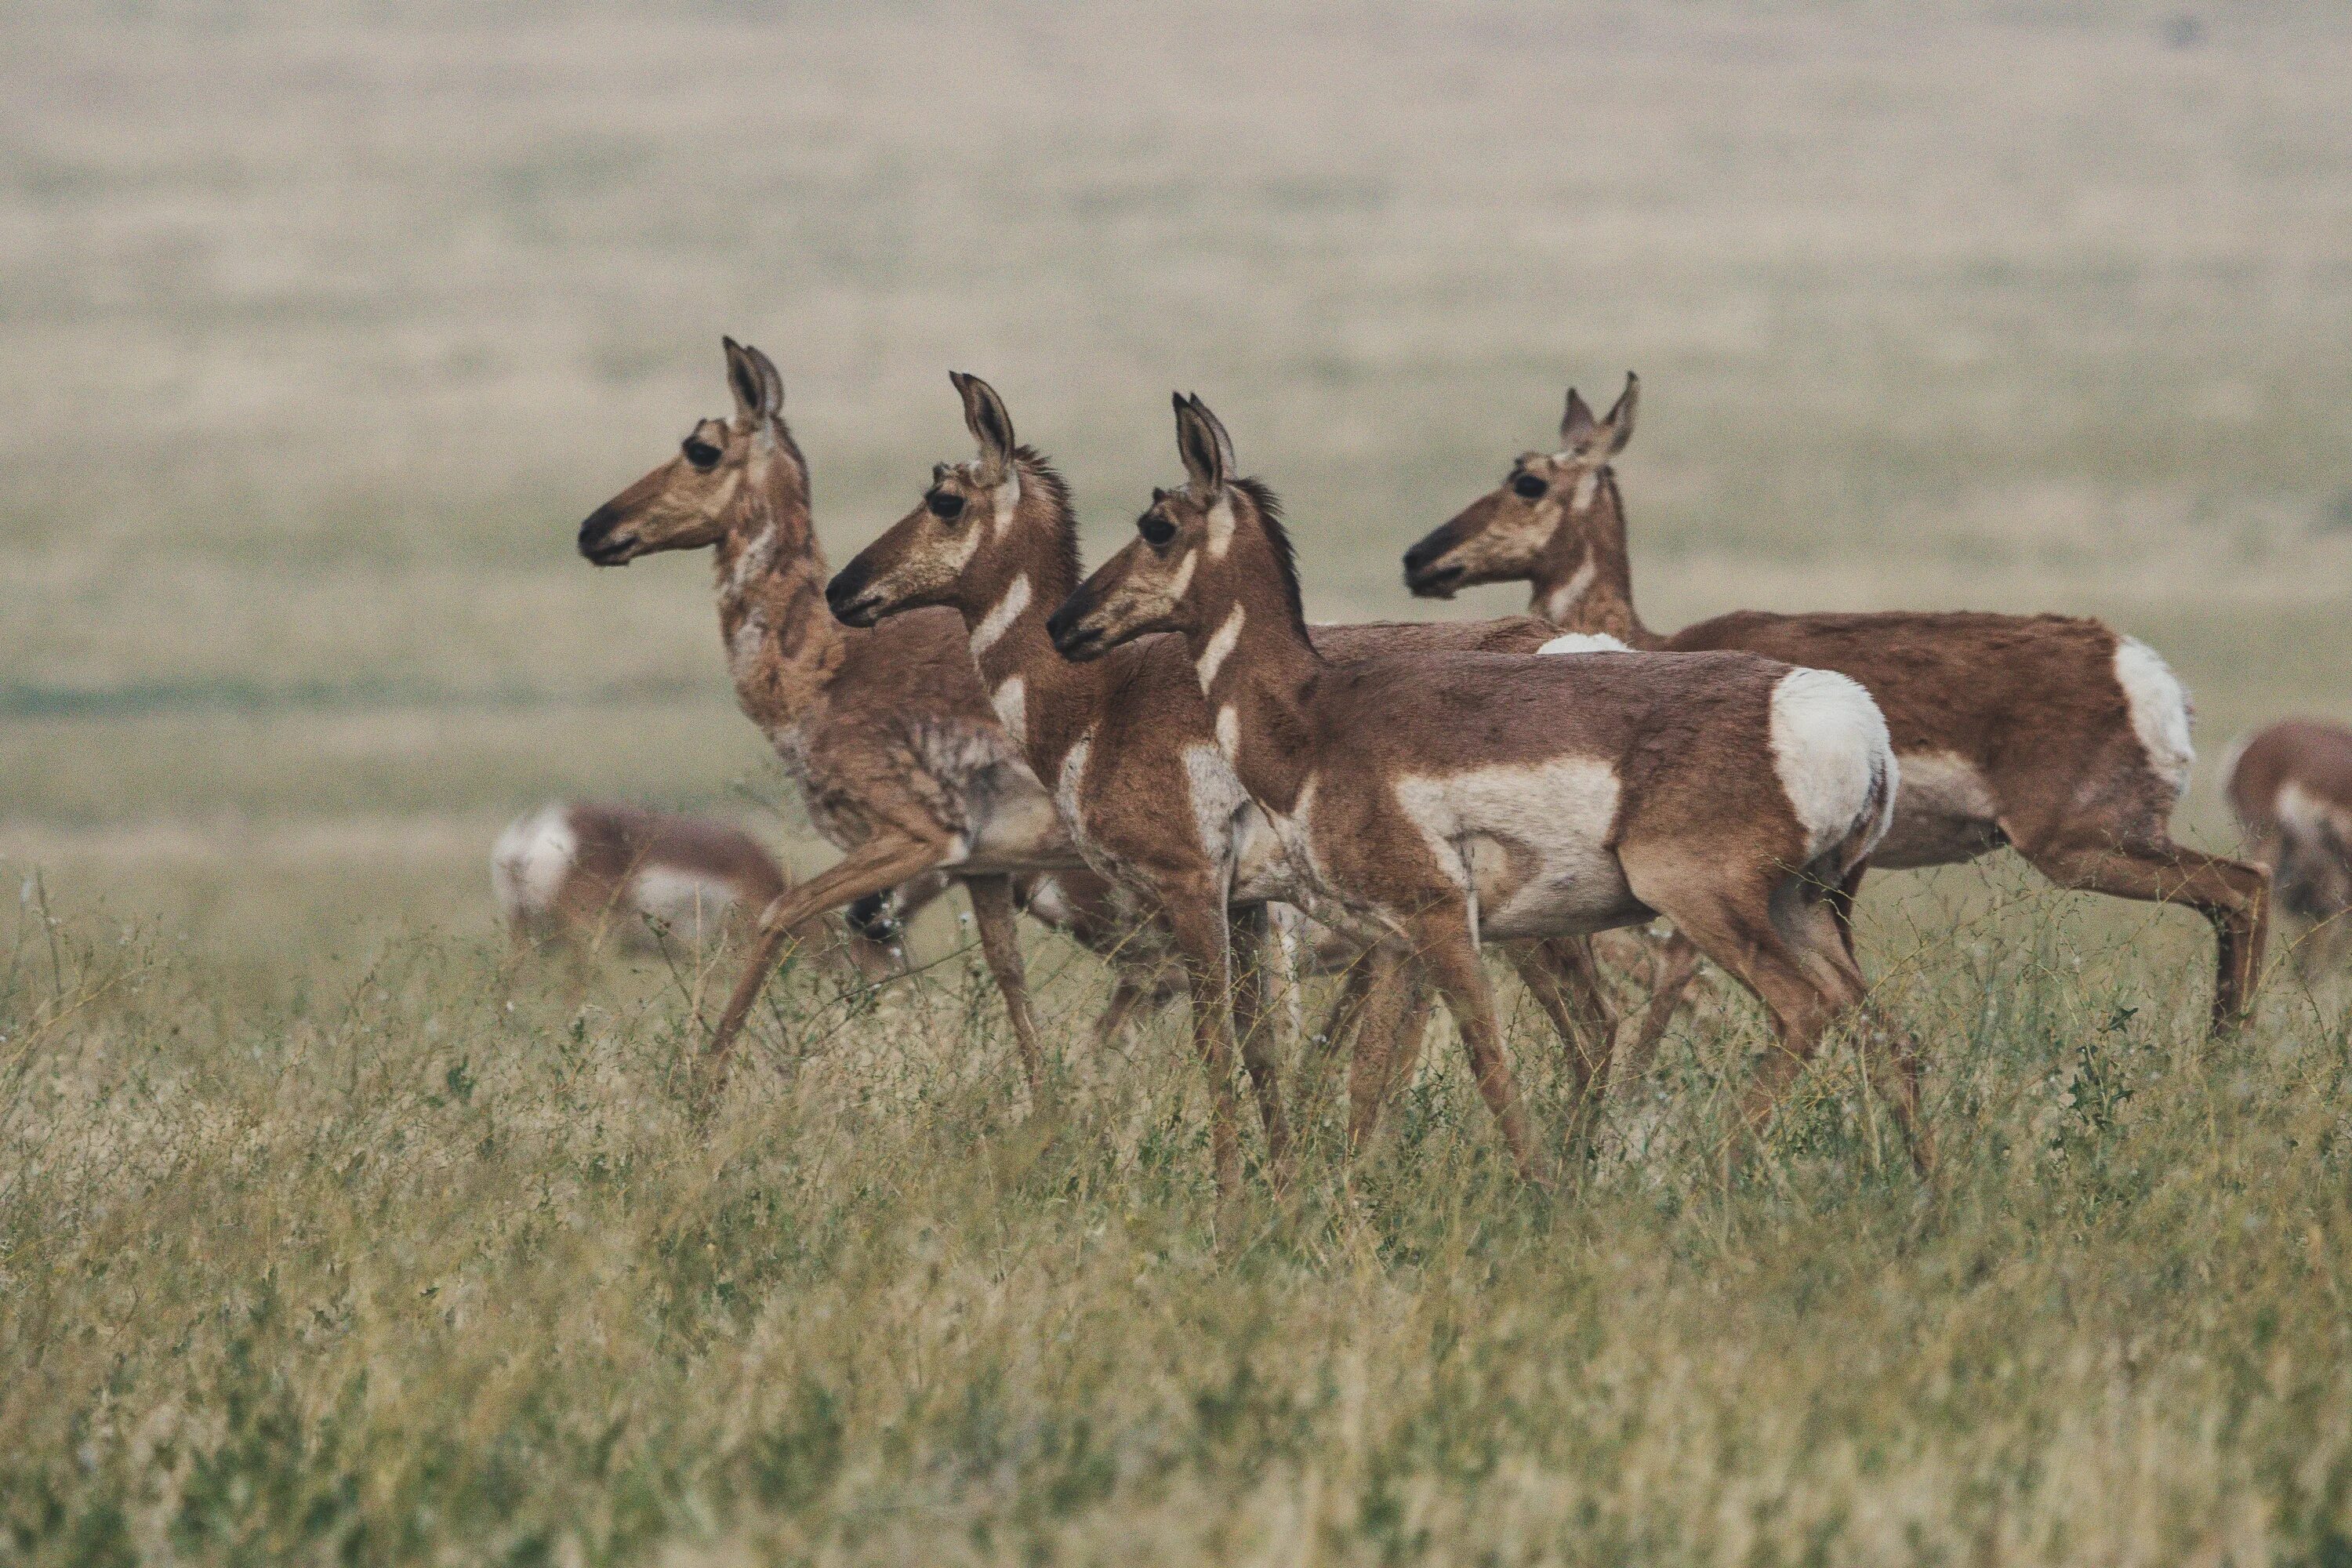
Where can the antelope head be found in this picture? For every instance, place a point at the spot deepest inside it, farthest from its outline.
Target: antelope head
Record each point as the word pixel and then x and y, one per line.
pixel 1199 551
pixel 924 557
pixel 723 467
pixel 1547 505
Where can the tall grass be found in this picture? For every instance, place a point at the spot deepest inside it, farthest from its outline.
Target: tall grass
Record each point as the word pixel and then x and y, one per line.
pixel 420 1267
pixel 322 1237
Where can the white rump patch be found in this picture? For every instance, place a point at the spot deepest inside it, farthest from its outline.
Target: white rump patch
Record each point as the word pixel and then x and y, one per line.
pixel 1011 701
pixel 1529 845
pixel 1836 763
pixel 1229 734
pixel 999 620
pixel 532 859
pixel 1220 647
pixel 1584 642
pixel 2314 820
pixel 2159 711
pixel 1563 599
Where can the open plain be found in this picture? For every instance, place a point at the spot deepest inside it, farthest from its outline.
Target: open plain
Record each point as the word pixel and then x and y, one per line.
pixel 326 1233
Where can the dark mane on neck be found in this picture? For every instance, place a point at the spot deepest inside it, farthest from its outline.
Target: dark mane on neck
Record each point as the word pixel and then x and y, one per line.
pixel 1037 470
pixel 1286 557
pixel 783 435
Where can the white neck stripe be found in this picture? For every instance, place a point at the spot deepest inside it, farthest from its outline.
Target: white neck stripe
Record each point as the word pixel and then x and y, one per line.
pixel 1000 620
pixel 1220 647
pixel 1570 594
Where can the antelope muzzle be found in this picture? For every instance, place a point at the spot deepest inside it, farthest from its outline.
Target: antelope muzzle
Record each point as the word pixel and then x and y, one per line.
pixel 851 596
pixel 606 539
pixel 1427 573
pixel 1074 628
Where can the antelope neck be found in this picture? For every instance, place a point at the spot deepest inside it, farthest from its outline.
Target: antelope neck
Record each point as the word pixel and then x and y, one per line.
pixel 783 643
pixel 1590 589
pixel 1006 619
pixel 1255 664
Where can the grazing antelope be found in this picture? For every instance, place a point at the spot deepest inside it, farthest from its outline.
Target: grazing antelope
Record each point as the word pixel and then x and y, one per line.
pixel 576 873
pixel 901 760
pixel 1127 738
pixel 1447 798
pixel 565 871
pixel 2048 732
pixel 2291 786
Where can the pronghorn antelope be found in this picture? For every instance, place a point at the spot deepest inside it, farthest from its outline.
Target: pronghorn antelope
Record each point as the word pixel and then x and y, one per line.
pixel 581 871
pixel 892 741
pixel 2291 786
pixel 2047 732
pixel 1127 738
pixel 578 873
pixel 1444 798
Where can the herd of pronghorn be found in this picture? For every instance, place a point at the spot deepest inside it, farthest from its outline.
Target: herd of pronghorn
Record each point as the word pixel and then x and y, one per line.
pixel 958 704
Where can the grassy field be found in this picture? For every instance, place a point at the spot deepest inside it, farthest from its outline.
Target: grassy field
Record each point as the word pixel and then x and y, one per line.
pixel 325 1235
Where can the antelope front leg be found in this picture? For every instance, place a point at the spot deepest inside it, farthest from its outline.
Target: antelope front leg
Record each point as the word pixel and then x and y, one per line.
pixel 994 912
pixel 1443 938
pixel 1198 922
pixel 1560 976
pixel 1247 928
pixel 1393 1019
pixel 879 863
pixel 1682 961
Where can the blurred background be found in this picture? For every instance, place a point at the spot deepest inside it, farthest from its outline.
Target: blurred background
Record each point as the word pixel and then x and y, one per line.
pixel 322 326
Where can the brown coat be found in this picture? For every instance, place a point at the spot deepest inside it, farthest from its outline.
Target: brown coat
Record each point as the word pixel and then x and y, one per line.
pixel 888 732
pixel 2291 786
pixel 2050 733
pixel 573 871
pixel 1434 796
pixel 1126 741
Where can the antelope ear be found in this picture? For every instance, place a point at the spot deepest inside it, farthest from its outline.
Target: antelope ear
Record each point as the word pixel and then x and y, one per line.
pixel 991 425
pixel 1225 436
pixel 752 377
pixel 1577 425
pixel 1207 450
pixel 1620 423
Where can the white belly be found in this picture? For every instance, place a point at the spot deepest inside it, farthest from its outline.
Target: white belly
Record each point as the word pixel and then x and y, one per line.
pixel 1944 813
pixel 685 901
pixel 1530 845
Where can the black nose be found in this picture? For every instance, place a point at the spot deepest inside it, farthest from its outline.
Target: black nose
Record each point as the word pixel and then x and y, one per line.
pixel 1419 556
pixel 1069 640
pixel 847 586
pixel 596 535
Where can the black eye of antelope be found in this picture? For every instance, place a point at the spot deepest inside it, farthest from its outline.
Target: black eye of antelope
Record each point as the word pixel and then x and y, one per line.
pixel 1157 531
pixel 701 454
pixel 946 505
pixel 1529 486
